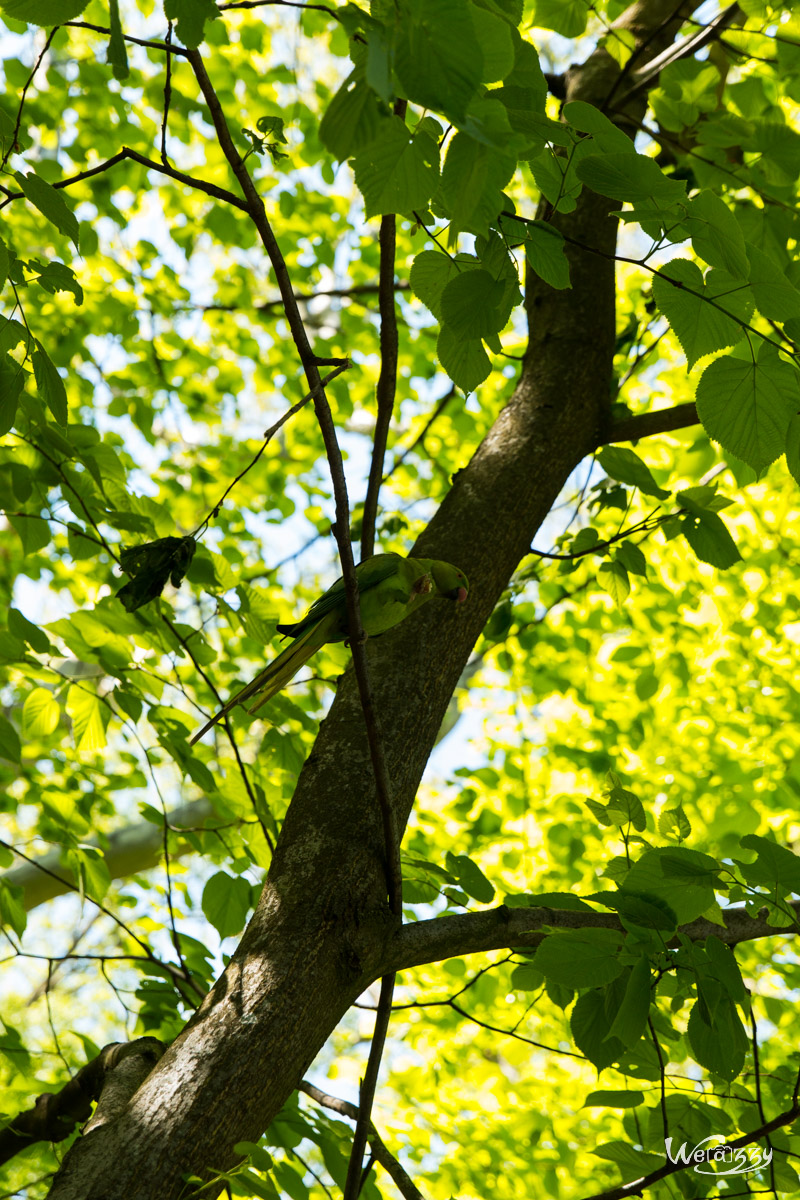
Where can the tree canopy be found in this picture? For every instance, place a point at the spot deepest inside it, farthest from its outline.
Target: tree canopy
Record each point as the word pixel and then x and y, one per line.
pixel 507 906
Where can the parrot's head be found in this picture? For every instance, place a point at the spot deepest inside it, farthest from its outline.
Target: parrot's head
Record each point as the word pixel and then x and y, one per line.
pixel 449 581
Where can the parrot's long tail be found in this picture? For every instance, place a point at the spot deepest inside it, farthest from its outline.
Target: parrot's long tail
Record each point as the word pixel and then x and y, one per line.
pixel 273 678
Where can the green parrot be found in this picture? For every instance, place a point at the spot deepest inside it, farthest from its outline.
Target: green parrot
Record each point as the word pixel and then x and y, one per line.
pixel 389 588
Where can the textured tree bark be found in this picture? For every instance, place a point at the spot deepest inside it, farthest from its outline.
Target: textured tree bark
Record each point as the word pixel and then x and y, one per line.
pixel 322 931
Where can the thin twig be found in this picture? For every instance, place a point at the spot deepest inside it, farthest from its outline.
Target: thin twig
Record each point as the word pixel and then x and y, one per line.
pixel 228 727
pixel 268 436
pixel 150 45
pixel 387 379
pixel 383 1015
pixel 167 96
pixel 402 1181
pixel 340 293
pixel 646 525
pixel 201 185
pixel 279 4
pixel 23 95
pixel 420 438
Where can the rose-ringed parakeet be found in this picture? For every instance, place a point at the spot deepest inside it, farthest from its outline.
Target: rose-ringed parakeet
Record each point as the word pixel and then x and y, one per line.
pixel 389 588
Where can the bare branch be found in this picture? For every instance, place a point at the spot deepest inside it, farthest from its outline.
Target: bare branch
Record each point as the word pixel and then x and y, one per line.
pixel 201 185
pixel 640 425
pixel 387 380
pixel 55 1114
pixel 399 1176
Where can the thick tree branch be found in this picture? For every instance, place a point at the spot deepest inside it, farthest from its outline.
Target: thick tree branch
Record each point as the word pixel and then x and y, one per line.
pixel 55 1114
pixel 504 928
pixel 641 425
pixel 686 47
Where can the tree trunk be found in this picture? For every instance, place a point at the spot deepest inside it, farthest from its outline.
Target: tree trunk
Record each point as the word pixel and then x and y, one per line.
pixel 322 929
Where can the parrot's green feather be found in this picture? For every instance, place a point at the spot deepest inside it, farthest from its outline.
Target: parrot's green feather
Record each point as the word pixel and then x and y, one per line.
pixel 390 587
pixel 369 574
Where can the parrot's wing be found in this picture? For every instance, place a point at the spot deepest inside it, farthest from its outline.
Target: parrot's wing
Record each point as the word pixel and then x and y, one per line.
pixel 369 574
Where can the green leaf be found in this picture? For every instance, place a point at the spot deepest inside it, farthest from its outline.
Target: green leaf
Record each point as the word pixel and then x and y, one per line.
pixel 556 176
pixel 545 251
pixel 526 978
pixel 567 17
pixel 673 822
pixel 89 719
pixel 90 870
pixel 431 272
pixel 580 958
pixel 613 1100
pixel 635 908
pixel 117 55
pixel 398 171
pixel 792 443
pixel 34 533
pixel 775 296
pixel 11 334
pixel 624 807
pixel 776 867
pixel 632 1163
pixel 21 627
pixel 10 747
pixel 465 361
pixel 353 118
pixel 747 406
pixel 719 1047
pixel 49 384
pixel 437 55
pixel 470 305
pixel 495 40
pixel 708 536
pixel 632 558
pixel 605 134
pixel 227 899
pixel 690 894
pixel 12 912
pixel 719 239
pixel 470 877
pixel 613 578
pixel 12 378
pixel 56 276
pixel 590 1025
pixel 631 177
pixel 630 1021
pixel 694 307
pixel 624 465
pixel 43 12
pixel 190 17
pixel 726 969
pixel 473 179
pixel 50 203
pixel 40 713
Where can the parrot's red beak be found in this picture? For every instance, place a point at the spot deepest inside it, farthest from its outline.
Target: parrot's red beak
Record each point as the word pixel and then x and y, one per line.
pixel 461 595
